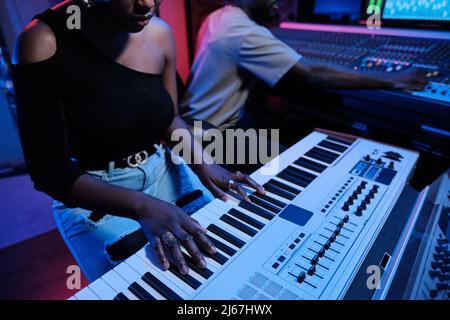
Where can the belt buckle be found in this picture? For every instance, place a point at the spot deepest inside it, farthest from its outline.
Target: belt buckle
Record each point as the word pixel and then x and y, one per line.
pixel 137 159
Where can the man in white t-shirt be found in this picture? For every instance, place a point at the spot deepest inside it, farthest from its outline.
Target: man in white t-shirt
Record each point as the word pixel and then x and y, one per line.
pixel 234 48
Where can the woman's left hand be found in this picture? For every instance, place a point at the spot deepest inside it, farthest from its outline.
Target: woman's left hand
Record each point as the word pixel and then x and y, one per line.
pixel 219 180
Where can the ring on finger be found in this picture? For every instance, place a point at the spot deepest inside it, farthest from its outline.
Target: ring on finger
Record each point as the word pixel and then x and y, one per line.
pixel 238 173
pixel 231 182
pixel 187 238
pixel 168 239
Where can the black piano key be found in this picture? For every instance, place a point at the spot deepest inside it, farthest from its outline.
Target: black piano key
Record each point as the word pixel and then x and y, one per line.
pixel 205 273
pixel 271 200
pixel 303 181
pixel 189 280
pixel 242 216
pixel 279 192
pixel 284 186
pixel 238 225
pixel 302 173
pixel 311 165
pixel 159 286
pixel 219 258
pixel 140 292
pixel 264 204
pixel 222 246
pixel 322 155
pixel 256 210
pixel 332 146
pixel 339 140
pixel 226 235
pixel 292 179
pixel 121 297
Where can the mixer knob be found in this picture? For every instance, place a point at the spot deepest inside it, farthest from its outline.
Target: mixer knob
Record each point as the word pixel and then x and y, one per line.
pixel 391 165
pixel 441 248
pixel 379 161
pixel 359 212
pixel 341 224
pixel 367 158
pixel 312 270
pixel 301 277
pixel 321 252
pixel 363 206
pixel 346 218
pixel 434 274
pixel 315 260
pixel 442 286
pixel 346 206
pixel 327 245
pixel 442 242
pixel 337 231
pixel 438 256
pixel 433 293
pixel 436 265
pixel 333 237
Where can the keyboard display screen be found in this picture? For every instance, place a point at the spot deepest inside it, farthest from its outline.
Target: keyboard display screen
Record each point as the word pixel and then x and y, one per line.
pixel 435 10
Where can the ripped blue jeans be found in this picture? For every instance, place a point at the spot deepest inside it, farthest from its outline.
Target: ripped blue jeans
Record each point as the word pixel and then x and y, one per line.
pixel 89 235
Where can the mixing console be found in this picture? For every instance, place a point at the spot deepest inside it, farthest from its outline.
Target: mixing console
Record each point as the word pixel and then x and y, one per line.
pixel 378 53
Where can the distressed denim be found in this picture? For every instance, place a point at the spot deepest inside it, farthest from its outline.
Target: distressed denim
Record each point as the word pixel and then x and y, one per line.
pixel 87 237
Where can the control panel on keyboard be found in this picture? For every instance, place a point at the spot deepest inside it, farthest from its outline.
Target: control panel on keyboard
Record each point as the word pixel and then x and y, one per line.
pixel 377 53
pixel 304 239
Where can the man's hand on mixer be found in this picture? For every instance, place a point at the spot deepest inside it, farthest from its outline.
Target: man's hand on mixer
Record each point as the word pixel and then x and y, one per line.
pixel 168 228
pixel 409 80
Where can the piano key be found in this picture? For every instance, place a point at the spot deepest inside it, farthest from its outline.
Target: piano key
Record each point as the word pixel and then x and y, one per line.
pixel 72 298
pixel 121 297
pixel 130 275
pixel 102 289
pixel 159 286
pixel 238 225
pixel 332 146
pixel 205 273
pixel 270 199
pixel 226 235
pixel 225 207
pixel 311 165
pixel 188 279
pixel 169 279
pixel 256 210
pixel 285 187
pixel 264 204
pixel 303 174
pixel 214 218
pixel 86 294
pixel 218 257
pixel 222 246
pixel 140 292
pixel 116 282
pixel 280 192
pixel 322 155
pixel 292 179
pixel 247 219
pixel 339 140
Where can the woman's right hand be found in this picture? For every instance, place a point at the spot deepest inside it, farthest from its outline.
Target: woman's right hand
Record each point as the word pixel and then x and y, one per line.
pixel 167 228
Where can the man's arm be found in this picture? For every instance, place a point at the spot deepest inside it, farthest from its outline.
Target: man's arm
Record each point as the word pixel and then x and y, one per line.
pixel 315 74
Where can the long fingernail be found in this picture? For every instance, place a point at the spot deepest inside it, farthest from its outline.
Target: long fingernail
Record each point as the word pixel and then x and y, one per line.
pixel 202 263
pixel 212 250
pixel 166 265
pixel 261 189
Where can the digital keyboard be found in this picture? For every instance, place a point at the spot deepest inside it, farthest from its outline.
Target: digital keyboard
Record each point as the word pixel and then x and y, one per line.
pixel 306 238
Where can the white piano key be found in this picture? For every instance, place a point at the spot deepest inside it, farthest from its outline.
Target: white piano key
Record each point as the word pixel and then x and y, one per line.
pixel 118 284
pixel 102 289
pixel 86 294
pixel 168 278
pixel 305 169
pixel 130 275
pixel 299 188
pixel 72 298
pixel 317 160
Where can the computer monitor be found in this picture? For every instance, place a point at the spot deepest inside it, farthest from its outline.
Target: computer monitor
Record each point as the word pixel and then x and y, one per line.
pixel 417 10
pixel 337 10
